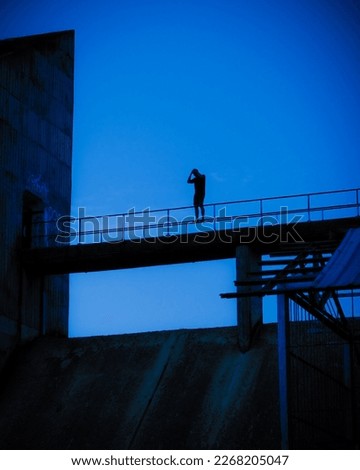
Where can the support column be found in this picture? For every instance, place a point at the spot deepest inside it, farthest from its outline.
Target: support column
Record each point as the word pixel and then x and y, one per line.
pixel 249 309
pixel 283 352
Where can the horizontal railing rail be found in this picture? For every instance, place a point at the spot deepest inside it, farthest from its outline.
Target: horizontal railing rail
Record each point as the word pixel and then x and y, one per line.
pixel 234 215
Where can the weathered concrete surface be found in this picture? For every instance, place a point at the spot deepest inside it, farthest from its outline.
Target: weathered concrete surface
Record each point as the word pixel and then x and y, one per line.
pixel 185 389
pixel 36 120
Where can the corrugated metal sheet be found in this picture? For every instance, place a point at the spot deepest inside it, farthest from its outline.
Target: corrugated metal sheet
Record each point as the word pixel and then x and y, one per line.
pixel 343 269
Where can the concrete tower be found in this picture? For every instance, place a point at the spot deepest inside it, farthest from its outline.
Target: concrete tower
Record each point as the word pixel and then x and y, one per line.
pixel 36 121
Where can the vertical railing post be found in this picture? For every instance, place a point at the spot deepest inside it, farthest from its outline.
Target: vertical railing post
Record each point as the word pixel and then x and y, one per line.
pixel 168 222
pixel 144 226
pixel 80 230
pixel 308 207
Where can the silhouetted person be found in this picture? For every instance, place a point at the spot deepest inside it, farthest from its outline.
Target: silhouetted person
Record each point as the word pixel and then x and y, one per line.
pixel 198 180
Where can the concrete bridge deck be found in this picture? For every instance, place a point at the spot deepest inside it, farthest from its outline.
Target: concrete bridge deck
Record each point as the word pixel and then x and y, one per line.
pixel 174 249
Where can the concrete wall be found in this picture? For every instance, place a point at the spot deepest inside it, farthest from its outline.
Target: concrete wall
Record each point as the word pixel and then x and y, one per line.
pixel 185 389
pixel 249 309
pixel 36 119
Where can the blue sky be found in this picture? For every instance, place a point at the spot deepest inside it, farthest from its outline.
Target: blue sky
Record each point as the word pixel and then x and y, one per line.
pixel 262 96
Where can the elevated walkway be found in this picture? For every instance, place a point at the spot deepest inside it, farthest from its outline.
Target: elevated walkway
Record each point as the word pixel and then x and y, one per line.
pixel 201 246
pixel 247 231
pixel 170 236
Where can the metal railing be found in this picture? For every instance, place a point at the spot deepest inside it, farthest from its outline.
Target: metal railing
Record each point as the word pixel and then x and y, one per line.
pixel 147 223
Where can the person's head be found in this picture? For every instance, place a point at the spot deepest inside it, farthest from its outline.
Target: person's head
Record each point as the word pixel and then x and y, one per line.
pixel 196 172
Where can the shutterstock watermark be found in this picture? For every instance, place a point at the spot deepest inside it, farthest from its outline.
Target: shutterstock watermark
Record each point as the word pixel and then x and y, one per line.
pixel 153 227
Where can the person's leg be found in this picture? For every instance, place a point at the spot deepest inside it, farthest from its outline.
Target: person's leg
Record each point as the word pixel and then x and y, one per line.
pixel 197 212
pixel 202 211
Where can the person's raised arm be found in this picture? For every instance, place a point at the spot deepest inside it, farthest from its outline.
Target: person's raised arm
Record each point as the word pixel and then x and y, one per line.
pixel 189 180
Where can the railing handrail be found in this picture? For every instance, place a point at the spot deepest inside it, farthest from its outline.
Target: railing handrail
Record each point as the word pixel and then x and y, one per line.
pixel 227 203
pixel 260 215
